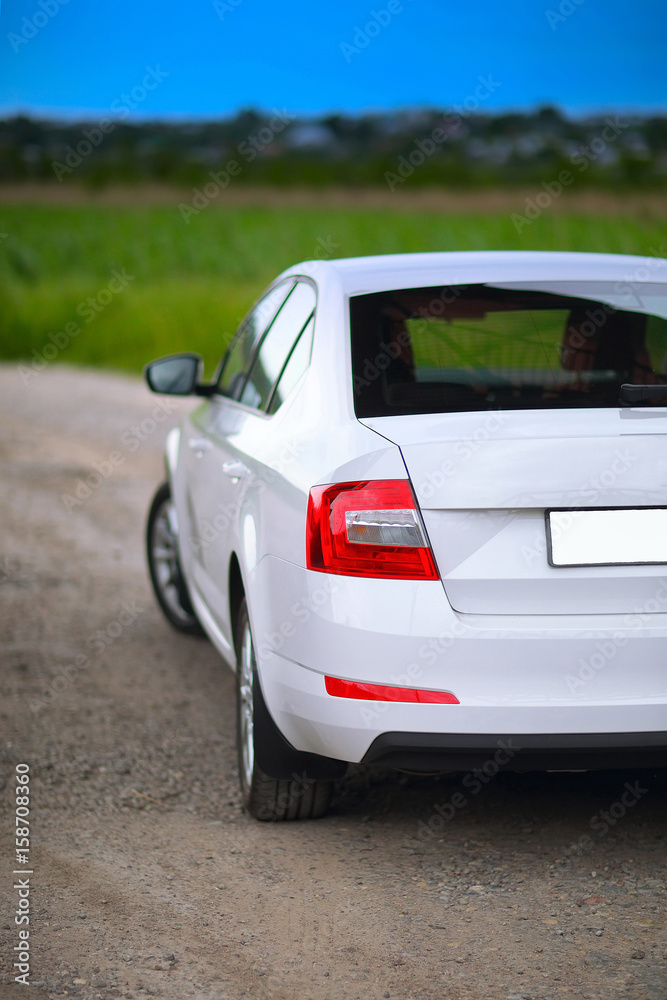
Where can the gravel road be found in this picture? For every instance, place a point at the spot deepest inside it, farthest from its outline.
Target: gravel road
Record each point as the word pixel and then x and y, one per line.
pixel 147 877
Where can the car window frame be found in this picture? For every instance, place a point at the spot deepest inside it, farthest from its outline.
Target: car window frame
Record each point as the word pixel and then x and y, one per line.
pixel 306 279
pixel 264 407
pixel 219 390
pixel 274 388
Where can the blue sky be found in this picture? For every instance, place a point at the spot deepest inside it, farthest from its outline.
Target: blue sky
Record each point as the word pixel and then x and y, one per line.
pixel 213 57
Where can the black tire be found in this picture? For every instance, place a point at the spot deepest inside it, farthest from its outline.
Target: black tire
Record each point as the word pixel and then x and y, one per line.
pixel 164 567
pixel 264 797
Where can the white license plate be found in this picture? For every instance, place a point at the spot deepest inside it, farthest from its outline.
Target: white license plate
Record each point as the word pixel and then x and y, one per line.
pixel 625 537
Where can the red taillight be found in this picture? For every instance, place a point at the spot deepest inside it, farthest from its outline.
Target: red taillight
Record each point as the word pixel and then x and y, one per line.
pixel 382 692
pixel 368 529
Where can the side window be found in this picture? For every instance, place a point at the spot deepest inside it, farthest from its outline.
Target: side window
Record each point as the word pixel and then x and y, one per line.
pixel 277 345
pixel 296 365
pixel 242 348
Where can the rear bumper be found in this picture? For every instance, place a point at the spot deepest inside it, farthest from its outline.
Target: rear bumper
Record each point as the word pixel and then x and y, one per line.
pixel 525 752
pixel 544 675
pixel 444 737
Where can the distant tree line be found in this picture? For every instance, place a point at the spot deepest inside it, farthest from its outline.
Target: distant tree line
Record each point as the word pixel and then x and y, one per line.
pixel 407 149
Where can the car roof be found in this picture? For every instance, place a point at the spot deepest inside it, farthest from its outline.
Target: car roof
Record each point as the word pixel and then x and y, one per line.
pixel 357 275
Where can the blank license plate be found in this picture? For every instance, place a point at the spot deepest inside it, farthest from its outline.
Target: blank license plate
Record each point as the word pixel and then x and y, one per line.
pixel 624 537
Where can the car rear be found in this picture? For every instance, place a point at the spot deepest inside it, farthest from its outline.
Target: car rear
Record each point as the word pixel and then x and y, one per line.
pixel 529 516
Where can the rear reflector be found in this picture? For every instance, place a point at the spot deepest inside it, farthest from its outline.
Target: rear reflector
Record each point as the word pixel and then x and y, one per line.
pixel 368 529
pixel 381 692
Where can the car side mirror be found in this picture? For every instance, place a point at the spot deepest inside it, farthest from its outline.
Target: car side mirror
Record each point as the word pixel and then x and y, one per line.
pixel 176 375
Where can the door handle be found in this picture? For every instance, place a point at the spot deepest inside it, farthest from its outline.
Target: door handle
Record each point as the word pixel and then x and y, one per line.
pixel 199 445
pixel 235 470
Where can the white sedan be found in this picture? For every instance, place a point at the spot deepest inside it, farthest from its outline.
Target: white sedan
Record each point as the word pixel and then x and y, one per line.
pixel 422 513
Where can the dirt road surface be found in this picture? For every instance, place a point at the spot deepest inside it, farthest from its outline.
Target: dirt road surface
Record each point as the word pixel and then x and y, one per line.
pixel 147 877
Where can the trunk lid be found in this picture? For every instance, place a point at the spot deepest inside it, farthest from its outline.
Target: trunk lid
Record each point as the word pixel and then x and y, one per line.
pixel 484 481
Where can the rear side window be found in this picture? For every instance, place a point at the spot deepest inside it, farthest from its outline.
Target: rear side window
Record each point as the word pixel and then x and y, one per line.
pixel 511 346
pixel 277 346
pixel 296 365
pixel 242 348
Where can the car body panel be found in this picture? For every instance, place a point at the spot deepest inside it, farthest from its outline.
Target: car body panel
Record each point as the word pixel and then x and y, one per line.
pixel 528 674
pixel 526 647
pixel 483 481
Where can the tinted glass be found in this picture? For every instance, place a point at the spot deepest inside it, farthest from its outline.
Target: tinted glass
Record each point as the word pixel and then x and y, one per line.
pixel 176 376
pixel 277 345
pixel 242 348
pixel 297 364
pixel 510 346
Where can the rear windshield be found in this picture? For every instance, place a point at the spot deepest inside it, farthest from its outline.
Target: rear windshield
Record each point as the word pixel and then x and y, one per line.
pixel 515 345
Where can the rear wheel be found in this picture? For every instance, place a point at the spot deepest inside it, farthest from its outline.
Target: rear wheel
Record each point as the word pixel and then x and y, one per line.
pixel 264 797
pixel 164 565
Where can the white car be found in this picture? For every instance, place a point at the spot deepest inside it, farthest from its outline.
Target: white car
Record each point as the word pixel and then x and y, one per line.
pixel 422 512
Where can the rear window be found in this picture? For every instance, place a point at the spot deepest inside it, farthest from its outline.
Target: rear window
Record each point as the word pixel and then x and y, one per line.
pixel 524 345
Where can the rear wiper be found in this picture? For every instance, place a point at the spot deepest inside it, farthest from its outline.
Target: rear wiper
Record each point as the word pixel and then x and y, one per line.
pixel 631 394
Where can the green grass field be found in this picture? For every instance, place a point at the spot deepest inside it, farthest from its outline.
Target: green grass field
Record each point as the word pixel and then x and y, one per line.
pixel 185 287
